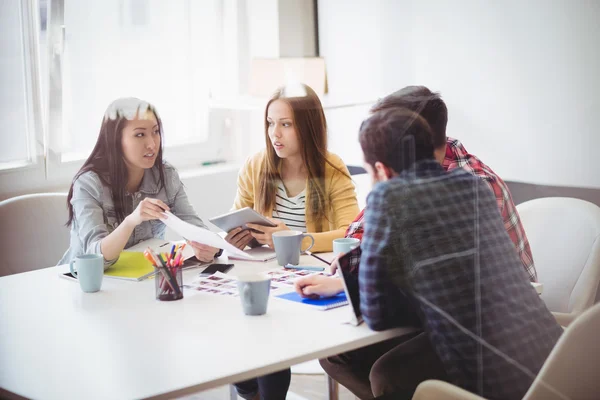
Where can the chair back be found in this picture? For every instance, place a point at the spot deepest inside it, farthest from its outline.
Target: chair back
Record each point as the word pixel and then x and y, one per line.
pixel 564 234
pixel 571 370
pixel 33 233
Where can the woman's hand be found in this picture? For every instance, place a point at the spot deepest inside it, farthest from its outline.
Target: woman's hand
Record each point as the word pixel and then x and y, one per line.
pixel 316 286
pixel 265 233
pixel 203 252
pixel 239 238
pixel 147 210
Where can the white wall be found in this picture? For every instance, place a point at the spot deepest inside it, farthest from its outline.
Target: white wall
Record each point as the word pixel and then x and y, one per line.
pixel 520 77
pixel 211 191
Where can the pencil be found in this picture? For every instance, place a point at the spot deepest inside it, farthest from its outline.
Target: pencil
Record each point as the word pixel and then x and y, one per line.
pixel 318 258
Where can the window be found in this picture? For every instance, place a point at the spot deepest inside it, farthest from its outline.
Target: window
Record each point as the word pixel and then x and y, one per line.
pixel 161 51
pixel 21 141
pixel 64 61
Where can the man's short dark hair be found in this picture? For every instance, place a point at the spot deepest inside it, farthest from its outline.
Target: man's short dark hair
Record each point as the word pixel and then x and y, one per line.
pixel 397 138
pixel 424 102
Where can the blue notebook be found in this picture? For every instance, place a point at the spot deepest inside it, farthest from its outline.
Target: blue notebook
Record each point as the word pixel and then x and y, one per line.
pixel 322 303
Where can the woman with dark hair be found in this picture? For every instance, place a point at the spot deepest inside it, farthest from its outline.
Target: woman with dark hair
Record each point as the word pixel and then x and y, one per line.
pixel 295 179
pixel 299 183
pixel 118 197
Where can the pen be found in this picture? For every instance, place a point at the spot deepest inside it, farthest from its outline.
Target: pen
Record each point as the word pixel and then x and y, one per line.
pixel 172 280
pixel 290 266
pixel 318 258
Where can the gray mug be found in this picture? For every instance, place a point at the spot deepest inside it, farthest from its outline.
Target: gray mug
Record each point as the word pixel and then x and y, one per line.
pixel 254 292
pixel 90 271
pixel 287 246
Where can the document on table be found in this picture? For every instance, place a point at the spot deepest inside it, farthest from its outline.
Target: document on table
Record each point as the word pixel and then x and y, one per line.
pixel 202 235
pixel 282 281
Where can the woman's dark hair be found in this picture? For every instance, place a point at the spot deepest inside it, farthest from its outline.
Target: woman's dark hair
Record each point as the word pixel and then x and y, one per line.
pixel 397 138
pixel 107 160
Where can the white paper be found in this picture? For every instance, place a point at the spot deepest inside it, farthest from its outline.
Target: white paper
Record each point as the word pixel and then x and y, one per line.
pixel 282 281
pixel 201 235
pixel 262 253
pixel 157 245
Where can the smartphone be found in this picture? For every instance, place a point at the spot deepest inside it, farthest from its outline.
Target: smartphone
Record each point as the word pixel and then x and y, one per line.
pixel 69 276
pixel 212 268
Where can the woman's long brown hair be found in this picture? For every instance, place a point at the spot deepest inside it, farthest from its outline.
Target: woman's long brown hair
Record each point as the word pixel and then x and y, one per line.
pixel 107 161
pixel 311 128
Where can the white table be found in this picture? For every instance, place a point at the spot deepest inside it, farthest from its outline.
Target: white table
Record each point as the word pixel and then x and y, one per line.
pixel 57 342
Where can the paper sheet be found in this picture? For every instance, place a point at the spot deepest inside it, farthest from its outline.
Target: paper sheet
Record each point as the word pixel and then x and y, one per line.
pixel 201 235
pixel 282 280
pixel 262 253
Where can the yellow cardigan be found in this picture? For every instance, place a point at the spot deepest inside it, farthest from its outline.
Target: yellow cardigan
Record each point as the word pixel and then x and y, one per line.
pixel 339 188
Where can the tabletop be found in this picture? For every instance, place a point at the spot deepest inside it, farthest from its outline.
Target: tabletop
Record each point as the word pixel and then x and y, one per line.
pixel 57 342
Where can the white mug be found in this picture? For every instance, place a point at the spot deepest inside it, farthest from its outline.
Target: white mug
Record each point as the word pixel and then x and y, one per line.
pixel 345 245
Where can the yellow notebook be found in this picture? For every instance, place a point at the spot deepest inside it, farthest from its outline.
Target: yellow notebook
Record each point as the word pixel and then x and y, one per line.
pixel 131 265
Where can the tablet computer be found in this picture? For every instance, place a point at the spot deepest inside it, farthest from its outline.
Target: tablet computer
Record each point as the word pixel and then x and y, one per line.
pixel 240 217
pixel 350 287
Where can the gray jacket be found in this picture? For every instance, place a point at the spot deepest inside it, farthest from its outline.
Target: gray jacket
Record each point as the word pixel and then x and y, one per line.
pixel 94 212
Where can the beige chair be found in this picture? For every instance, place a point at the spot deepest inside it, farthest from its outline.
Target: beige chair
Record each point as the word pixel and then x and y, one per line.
pixel 33 233
pixel 570 372
pixel 564 235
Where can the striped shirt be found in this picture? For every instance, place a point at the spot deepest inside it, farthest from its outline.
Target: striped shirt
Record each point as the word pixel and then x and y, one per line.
pixel 290 210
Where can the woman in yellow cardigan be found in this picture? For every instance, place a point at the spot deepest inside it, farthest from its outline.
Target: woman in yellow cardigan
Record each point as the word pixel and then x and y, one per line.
pixel 299 185
pixel 295 181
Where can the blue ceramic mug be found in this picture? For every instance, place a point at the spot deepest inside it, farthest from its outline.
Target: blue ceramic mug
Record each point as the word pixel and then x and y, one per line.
pixel 254 292
pixel 90 271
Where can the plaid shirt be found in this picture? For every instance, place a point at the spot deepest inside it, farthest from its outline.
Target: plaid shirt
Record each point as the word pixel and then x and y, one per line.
pixel 435 251
pixel 458 157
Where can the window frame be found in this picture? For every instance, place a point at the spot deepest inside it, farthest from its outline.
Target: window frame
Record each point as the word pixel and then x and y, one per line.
pixel 30 22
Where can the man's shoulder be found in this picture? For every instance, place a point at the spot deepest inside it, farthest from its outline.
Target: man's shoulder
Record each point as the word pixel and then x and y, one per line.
pixel 451 177
pixel 470 162
pixel 388 188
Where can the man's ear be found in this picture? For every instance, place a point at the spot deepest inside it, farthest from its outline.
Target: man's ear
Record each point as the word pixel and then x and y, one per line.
pixel 383 172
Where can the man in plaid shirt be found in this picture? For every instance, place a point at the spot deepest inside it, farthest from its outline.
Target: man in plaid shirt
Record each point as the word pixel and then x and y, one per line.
pixel 435 254
pixel 452 154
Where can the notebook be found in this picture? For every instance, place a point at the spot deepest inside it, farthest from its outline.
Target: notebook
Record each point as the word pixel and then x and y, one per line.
pixel 131 266
pixel 322 304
